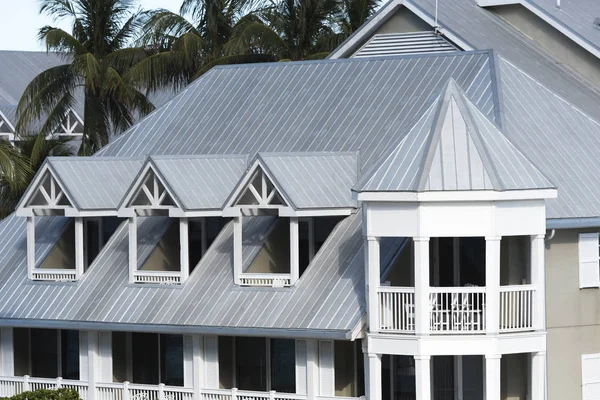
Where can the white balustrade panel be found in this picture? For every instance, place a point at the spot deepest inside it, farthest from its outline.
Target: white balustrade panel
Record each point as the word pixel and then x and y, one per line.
pixel 517 308
pixel 266 280
pixel 109 391
pixel 10 386
pixel 457 310
pixel 54 275
pixel 157 277
pixel 396 309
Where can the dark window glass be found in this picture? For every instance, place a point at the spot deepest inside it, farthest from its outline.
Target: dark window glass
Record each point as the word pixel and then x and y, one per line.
pixel 21 351
pixel 44 353
pixel 92 240
pixel 109 226
pixel 443 377
pixel 171 360
pixel 283 365
pixel 251 366
pixel 195 242
pixel 472 261
pixel 70 354
pixel 403 375
pixel 225 362
pixel 145 358
pixel 119 356
pixel 360 369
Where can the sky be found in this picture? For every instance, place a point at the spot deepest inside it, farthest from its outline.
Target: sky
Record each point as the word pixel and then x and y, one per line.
pixel 21 21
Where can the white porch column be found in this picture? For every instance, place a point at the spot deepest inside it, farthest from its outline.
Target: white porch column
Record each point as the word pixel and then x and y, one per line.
pixel 30 246
pixel 492 284
pixel 538 375
pixel 423 377
pixel 492 377
pixel 294 250
pixel 93 363
pixel 373 280
pixel 237 249
pixel 7 358
pixel 538 278
pixel 374 381
pixel 312 369
pixel 132 247
pixel 198 365
pixel 184 250
pixel 79 251
pixel 421 246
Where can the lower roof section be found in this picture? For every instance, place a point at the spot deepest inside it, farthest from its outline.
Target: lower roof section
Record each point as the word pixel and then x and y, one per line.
pixel 327 301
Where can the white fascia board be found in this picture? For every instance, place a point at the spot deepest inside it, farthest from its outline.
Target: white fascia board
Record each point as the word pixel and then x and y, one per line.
pixel 573 223
pixel 365 31
pixel 561 28
pixel 178 213
pixel 71 212
pixel 490 3
pixel 458 195
pixel 315 212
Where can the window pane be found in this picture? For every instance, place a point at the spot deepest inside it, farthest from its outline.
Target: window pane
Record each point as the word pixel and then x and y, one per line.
pixel 70 354
pixel 283 365
pixel 226 362
pixel 251 366
pixel 171 360
pixel 21 351
pixel 44 353
pixel 344 368
pixel 145 358
pixel 119 356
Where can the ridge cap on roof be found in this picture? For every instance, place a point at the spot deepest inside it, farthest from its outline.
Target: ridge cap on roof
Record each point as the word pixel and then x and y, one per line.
pixel 307 153
pixel 160 157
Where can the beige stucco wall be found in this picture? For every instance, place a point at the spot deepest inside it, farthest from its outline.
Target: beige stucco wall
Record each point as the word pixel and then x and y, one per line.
pixel 553 41
pixel 572 316
pixel 403 21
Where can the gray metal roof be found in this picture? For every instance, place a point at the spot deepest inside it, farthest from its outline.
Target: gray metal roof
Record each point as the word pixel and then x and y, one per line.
pixel 328 298
pixel 396 44
pixel 314 180
pixel 453 147
pixel 326 106
pixel 576 16
pixel 95 183
pixel 201 182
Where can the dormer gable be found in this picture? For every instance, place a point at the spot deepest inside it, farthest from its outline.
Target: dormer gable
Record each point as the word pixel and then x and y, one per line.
pixel 7 129
pixel 46 195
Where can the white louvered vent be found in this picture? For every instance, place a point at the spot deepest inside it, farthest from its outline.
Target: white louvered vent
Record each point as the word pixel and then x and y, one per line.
pixel 396 44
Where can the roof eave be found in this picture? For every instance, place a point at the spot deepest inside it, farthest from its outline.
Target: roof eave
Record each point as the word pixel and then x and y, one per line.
pixel 458 195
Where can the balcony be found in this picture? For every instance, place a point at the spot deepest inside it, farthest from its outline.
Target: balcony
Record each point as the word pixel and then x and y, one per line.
pixel 54 275
pixel 157 277
pixel 266 280
pixel 456 310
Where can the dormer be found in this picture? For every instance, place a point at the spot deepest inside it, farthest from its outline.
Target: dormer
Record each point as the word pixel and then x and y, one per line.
pixel 7 129
pixel 174 208
pixel 284 207
pixel 79 197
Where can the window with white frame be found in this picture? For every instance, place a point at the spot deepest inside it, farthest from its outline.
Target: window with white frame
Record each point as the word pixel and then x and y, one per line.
pixel 589 260
pixel 590 376
pixel 46 353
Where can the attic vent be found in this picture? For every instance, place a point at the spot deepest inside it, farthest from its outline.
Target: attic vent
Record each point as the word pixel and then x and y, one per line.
pixel 597 22
pixel 396 44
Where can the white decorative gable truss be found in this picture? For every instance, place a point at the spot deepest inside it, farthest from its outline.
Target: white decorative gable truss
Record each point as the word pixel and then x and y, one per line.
pixel 7 130
pixel 71 126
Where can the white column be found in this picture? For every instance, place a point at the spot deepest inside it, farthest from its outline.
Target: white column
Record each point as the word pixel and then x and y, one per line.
pixel 538 376
pixel 184 251
pixel 132 247
pixel 421 246
pixel 374 381
pixel 294 250
pixel 198 365
pixel 312 369
pixel 492 284
pixel 237 249
pixel 7 363
pixel 492 377
pixel 93 363
pixel 373 279
pixel 30 246
pixel 423 377
pixel 538 279
pixel 79 251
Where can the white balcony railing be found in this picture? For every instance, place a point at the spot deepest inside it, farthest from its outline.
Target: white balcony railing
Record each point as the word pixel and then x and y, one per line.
pixel 10 386
pixel 517 308
pixel 157 277
pixel 265 280
pixel 457 309
pixel 54 275
pixel 397 309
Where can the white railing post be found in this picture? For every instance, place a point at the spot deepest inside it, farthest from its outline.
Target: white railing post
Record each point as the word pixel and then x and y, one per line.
pixel 161 391
pixel 422 304
pixel 59 382
pixel 234 394
pixel 126 390
pixel 538 279
pixel 492 284
pixel 272 395
pixel 26 386
pixel 373 281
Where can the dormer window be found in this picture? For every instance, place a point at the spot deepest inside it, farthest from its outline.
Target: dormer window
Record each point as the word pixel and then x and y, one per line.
pixel 274 220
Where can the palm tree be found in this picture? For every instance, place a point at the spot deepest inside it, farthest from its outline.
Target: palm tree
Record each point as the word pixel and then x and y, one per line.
pixel 18 166
pixel 187 43
pixel 97 60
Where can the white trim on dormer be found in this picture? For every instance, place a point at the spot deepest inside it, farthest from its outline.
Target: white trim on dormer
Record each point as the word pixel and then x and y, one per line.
pixel 4 122
pixel 71 122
